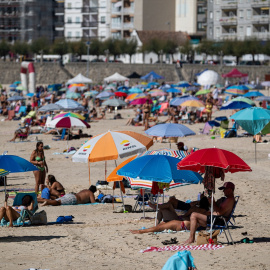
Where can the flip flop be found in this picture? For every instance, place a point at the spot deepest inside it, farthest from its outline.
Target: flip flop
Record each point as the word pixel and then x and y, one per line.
pixel 170 242
pixel 247 241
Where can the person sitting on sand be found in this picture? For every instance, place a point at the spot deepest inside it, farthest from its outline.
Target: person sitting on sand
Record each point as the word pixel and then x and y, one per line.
pixel 82 197
pixel 54 188
pixel 222 207
pixel 76 135
pixel 12 213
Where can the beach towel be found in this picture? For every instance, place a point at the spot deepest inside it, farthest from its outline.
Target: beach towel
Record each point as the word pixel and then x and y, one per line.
pixel 180 248
pixel 181 260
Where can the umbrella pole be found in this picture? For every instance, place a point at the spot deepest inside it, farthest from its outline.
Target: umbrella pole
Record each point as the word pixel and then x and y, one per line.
pixel 67 139
pixel 163 197
pixel 143 203
pixel 122 198
pixel 89 172
pixel 5 181
pixel 212 209
pixel 156 210
pixel 255 152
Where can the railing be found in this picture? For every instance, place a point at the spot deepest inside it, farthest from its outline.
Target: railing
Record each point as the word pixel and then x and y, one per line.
pixel 116 11
pixel 228 20
pixel 129 25
pixel 59 10
pixel 89 24
pixel 116 26
pixel 262 35
pixel 59 24
pixel 89 10
pixel 229 3
pixel 260 3
pixel 129 10
pixel 228 34
pixel 261 19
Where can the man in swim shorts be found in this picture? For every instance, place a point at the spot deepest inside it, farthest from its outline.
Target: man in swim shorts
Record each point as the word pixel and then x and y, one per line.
pixel 82 197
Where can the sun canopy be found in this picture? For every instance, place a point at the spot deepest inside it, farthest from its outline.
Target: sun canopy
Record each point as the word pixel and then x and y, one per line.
pixel 152 76
pixel 234 73
pixel 116 77
pixel 79 79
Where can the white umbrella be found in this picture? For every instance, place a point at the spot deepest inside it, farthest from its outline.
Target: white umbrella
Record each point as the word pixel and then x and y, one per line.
pixel 116 77
pixel 79 79
pixel 209 77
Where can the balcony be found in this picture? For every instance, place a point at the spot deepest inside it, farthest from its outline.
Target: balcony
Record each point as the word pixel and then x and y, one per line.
pixel 116 26
pixel 261 19
pixel 262 35
pixel 228 4
pixel 89 24
pixel 116 11
pixel 128 25
pixel 89 10
pixel 129 10
pixel 228 21
pixel 60 10
pixel 59 24
pixel 260 3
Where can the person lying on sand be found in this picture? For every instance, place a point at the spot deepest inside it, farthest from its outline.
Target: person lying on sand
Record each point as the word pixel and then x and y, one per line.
pixel 222 207
pixel 82 197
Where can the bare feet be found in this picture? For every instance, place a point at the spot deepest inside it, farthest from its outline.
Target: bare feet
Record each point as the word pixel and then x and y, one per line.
pixel 136 231
pixel 44 204
pixel 10 225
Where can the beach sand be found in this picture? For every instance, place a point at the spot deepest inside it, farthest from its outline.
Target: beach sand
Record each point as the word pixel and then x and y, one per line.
pixel 100 239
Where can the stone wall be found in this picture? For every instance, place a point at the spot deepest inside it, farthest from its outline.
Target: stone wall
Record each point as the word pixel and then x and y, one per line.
pixel 49 73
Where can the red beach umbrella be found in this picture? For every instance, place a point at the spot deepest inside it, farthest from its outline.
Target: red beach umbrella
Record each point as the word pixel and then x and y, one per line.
pixel 120 94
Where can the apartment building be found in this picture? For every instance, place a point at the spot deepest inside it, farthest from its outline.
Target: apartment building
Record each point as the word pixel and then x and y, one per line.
pixel 59 19
pixel 26 20
pixel 238 19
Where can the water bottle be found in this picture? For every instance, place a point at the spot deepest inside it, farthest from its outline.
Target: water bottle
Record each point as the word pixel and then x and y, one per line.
pixel 199 196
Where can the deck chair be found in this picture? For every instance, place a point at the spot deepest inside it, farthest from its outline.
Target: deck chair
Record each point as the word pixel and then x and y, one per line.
pixel 230 223
pixel 11 114
pixel 22 110
pixel 139 201
pixel 60 138
pixel 25 214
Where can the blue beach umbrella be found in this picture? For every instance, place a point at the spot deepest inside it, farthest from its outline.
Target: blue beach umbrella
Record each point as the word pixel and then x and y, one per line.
pixel 16 98
pixel 159 168
pixel 254 120
pixel 134 90
pixel 179 100
pixel 173 90
pixel 182 85
pixel 17 82
pixel 253 94
pixel 69 104
pixel 235 105
pixel 105 94
pixel 30 94
pixel 262 98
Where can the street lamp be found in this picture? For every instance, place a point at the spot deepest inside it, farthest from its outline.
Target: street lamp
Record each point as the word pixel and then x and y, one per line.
pixel 88 47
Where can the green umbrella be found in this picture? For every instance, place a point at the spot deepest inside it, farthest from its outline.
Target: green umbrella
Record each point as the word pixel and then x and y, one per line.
pixel 21 88
pixel 202 92
pixel 244 99
pixel 63 89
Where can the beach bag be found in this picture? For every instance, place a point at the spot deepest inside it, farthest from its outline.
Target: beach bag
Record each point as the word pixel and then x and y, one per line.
pixel 203 238
pixel 107 199
pixel 39 218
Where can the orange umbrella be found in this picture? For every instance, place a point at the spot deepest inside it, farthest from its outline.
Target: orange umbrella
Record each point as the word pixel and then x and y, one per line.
pixel 192 103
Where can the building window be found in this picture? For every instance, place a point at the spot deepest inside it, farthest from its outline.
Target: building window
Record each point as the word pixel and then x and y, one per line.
pixel 69 20
pixel 69 5
pixel 69 34
pixel 200 26
pixel 217 15
pixel 102 19
pixel 217 32
pixel 211 31
pixel 211 15
pixel 77 34
pixel 200 10
pixel 249 14
pixel 241 14
pixel 248 31
pixel 241 31
pixel 78 20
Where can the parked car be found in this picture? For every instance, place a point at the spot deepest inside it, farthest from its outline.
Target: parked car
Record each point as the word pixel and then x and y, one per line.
pixel 115 61
pixel 229 63
pixel 250 63
pixel 96 60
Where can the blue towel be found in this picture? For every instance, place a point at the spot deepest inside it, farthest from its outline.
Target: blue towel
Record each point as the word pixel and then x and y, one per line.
pixel 181 260
pixel 45 193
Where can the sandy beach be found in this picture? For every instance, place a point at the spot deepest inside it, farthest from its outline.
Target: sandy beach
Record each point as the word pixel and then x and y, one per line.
pixel 100 239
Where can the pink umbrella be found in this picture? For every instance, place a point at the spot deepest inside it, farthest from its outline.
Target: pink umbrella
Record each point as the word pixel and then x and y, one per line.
pixel 158 94
pixel 140 101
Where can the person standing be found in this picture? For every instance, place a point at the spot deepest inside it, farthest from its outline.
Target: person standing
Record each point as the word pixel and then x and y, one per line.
pixel 38 158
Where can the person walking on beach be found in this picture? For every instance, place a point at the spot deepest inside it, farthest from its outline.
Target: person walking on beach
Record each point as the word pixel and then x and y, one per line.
pixel 38 158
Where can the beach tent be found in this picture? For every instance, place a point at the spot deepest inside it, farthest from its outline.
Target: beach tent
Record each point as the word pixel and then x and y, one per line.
pixel 134 75
pixel 234 73
pixel 152 76
pixel 116 77
pixel 79 79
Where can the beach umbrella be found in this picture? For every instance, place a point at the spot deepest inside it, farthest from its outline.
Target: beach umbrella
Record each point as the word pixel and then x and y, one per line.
pixel 17 82
pixel 21 88
pixel 237 90
pixel 122 88
pixel 114 102
pixel 266 83
pixel 235 105
pixel 262 98
pixel 120 94
pixel 91 93
pixel 64 89
pixel 112 145
pixel 169 130
pixel 214 162
pixel 141 101
pixel 208 77
pixel 14 164
pixel 193 103
pixel 184 85
pixel 16 98
pixel 68 122
pixel 203 92
pixel 244 99
pixel 50 108
pixel 30 94
pixel 173 90
pixel 253 120
pixel 157 93
pixel 73 95
pixel 105 94
pixel 70 104
pixel 179 100
pixel 134 90
pixel 253 94
pixel 135 96
pixel 71 114
pixel 13 86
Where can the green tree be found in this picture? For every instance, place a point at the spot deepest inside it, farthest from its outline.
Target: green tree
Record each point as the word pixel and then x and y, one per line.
pixel 60 47
pixel 239 49
pixel 143 50
pixel 128 47
pixel 253 46
pixel 78 48
pixel 4 49
pixel 207 47
pixel 188 50
pixel 40 46
pixel 21 48
pixel 156 46
pixel 114 47
pixel 171 47
pixel 266 48
pixel 96 48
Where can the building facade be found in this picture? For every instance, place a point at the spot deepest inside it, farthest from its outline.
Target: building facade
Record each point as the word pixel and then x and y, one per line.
pixel 26 20
pixel 238 19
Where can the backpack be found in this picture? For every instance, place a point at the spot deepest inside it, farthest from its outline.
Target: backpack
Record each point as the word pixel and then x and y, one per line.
pixel 39 218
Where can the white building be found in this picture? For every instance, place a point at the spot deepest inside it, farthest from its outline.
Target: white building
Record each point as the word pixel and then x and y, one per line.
pixel 104 19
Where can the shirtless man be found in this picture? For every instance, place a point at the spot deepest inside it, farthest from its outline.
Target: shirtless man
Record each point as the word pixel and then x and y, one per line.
pixel 82 197
pixel 221 207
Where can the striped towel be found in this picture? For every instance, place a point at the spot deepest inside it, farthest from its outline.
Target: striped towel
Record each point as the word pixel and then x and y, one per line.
pixel 180 248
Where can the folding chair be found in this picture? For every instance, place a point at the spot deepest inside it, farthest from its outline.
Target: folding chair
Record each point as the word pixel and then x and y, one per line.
pixel 25 214
pixel 230 223
pixel 60 138
pixel 22 110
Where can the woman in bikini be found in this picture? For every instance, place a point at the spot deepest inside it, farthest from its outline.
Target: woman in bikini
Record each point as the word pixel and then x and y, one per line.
pixel 146 114
pixel 38 158
pixel 56 188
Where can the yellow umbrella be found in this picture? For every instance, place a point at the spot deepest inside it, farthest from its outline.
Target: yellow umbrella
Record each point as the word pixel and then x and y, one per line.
pixel 192 103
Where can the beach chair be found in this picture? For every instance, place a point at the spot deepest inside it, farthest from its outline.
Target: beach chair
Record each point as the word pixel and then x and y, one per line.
pixel 230 223
pixel 11 114
pixel 226 99
pixel 22 110
pixel 25 214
